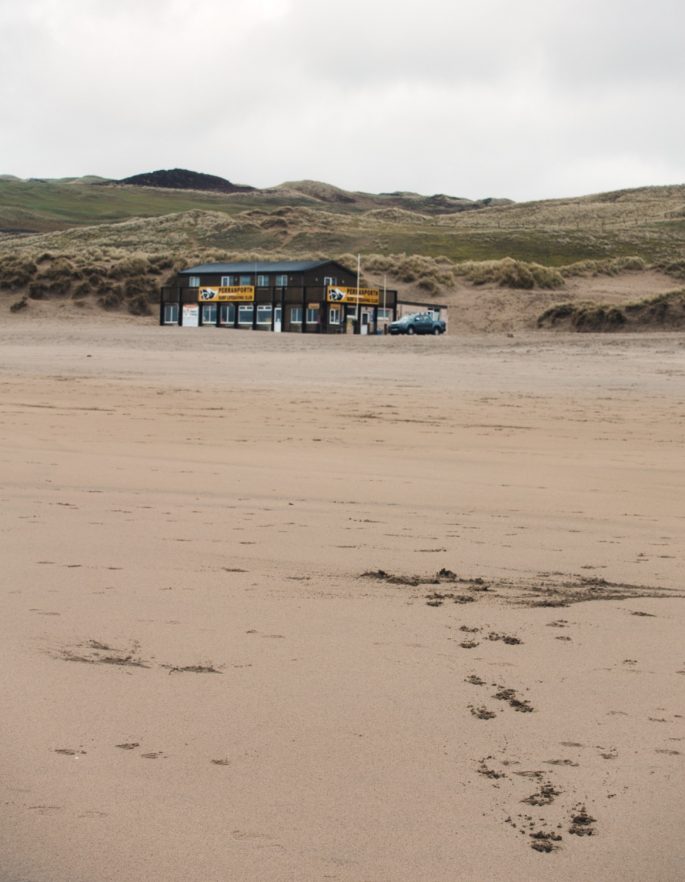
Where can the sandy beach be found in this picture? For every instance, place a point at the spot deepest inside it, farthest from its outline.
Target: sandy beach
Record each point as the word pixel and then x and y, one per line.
pixel 287 607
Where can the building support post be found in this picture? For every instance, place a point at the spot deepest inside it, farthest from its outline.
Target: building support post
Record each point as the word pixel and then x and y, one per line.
pixel 303 326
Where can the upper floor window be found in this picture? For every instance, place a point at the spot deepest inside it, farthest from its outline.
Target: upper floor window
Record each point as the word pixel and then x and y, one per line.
pixel 193 281
pixel 262 281
pixel 227 281
pixel 246 280
pixel 282 281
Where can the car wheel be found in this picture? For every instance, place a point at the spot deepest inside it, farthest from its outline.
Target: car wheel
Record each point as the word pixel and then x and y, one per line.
pixel 436 332
pixel 411 330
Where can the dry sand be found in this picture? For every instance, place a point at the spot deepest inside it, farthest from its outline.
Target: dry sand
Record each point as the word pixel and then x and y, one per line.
pixel 198 684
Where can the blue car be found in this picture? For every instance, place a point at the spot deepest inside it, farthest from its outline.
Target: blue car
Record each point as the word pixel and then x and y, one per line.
pixel 418 323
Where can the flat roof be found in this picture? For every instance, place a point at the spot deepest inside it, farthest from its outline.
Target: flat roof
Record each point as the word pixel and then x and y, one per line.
pixel 251 266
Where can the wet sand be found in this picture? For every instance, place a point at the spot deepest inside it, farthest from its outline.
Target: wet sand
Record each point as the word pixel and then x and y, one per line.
pixel 227 650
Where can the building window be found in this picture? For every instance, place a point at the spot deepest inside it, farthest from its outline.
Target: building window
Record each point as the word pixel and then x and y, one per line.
pixel 295 315
pixel 262 281
pixel 171 313
pixel 209 313
pixel 227 281
pixel 263 314
pixel 227 313
pixel 193 281
pixel 313 314
pixel 384 315
pixel 246 280
pixel 245 313
pixel 281 281
pixel 334 315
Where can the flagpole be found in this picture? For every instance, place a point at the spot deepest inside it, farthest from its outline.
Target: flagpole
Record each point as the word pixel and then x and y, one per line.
pixel 385 292
pixel 359 264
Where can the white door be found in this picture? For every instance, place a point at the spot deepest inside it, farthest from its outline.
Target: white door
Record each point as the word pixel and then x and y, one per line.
pixel 277 320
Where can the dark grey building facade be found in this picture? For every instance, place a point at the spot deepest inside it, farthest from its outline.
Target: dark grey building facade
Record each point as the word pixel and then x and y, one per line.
pixel 308 297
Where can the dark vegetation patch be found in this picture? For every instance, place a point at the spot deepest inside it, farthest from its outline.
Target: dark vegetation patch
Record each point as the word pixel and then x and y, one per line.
pixel 442 577
pixel 93 652
pixel 382 576
pixel 663 311
pixel 544 795
pixel 482 713
pixel 436 598
pixel 475 680
pixel 183 179
pixel 511 697
pixel 192 669
pixel 582 824
pixel 487 772
pixel 553 590
pixel 547 590
pixel 509 639
pixel 544 841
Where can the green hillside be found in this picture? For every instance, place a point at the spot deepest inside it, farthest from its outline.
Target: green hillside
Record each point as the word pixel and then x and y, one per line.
pixel 37 206
pixel 305 217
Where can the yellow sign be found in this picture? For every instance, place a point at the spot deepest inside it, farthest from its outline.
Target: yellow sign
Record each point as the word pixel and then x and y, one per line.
pixel 236 293
pixel 338 294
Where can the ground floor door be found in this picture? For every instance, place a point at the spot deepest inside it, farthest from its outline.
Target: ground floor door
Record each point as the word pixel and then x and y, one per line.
pixel 277 319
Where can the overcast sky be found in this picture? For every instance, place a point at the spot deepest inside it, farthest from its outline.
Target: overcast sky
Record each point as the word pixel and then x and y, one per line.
pixel 520 98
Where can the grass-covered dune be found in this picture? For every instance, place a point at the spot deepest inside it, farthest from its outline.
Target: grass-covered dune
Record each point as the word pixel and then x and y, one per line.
pixel 651 313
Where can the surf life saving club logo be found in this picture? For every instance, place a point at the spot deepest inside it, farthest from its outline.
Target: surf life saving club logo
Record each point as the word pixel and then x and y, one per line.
pixel 342 294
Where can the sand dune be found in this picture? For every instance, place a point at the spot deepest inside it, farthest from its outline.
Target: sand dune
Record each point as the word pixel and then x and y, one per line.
pixel 285 608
